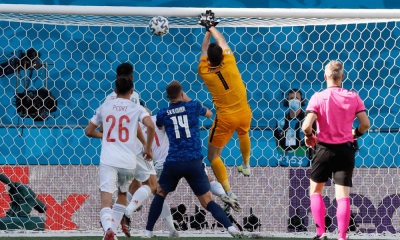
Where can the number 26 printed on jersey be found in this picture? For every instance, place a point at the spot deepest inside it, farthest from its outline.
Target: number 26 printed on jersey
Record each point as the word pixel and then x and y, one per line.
pixel 181 121
pixel 120 128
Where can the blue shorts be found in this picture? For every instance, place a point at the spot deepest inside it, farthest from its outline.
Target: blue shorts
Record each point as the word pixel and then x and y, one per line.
pixel 192 171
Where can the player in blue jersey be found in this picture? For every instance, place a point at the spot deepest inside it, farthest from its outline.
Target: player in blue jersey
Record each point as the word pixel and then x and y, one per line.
pixel 184 160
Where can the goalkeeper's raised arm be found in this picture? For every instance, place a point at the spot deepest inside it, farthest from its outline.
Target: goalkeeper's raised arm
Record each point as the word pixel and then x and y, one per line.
pixel 219 38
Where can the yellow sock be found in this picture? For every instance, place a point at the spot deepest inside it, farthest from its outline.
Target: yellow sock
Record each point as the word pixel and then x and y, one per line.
pixel 244 144
pixel 221 174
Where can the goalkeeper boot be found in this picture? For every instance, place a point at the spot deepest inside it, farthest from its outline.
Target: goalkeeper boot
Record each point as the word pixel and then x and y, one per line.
pixel 244 170
pixel 231 202
pixel 323 237
pixel 126 225
pixel 173 234
pixel 147 234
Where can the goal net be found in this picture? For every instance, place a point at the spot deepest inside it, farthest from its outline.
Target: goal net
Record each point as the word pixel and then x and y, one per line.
pixel 75 53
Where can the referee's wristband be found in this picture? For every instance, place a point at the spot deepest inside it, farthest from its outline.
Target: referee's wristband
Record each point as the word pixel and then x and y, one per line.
pixel 358 133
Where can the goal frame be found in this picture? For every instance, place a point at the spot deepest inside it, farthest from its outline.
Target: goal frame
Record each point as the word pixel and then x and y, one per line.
pixel 193 12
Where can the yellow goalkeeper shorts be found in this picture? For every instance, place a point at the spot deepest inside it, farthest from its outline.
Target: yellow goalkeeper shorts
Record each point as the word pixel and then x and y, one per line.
pixel 225 125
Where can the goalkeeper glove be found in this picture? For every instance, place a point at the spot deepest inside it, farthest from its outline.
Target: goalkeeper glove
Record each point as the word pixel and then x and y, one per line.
pixel 207 20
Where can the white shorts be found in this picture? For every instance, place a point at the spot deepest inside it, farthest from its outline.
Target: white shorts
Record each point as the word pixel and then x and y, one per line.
pixel 111 176
pixel 143 169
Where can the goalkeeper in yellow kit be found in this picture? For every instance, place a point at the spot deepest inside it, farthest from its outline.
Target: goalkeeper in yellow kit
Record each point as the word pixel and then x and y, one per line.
pixel 219 72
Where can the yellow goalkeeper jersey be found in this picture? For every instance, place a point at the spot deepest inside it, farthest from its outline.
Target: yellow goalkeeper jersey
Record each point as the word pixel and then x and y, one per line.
pixel 224 83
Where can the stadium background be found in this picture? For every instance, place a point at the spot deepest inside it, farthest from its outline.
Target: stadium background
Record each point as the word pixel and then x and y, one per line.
pixel 84 72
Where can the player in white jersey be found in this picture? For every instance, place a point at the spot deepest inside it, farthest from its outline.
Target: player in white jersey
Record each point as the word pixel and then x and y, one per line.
pixel 120 118
pixel 145 180
pixel 160 149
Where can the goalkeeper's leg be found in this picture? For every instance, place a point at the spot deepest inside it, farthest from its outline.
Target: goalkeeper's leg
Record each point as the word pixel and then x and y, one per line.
pixel 244 120
pixel 214 155
pixel 220 172
pixel 244 144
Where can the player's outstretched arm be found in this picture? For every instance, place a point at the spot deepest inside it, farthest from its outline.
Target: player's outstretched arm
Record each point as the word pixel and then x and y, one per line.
pixel 186 98
pixel 219 38
pixel 151 131
pixel 92 132
pixel 205 44
pixel 208 113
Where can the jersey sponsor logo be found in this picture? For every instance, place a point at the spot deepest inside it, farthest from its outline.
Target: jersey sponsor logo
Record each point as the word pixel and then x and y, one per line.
pixel 176 110
pixel 120 108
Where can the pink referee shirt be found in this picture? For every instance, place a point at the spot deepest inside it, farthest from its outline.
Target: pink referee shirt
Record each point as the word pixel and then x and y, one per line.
pixel 336 109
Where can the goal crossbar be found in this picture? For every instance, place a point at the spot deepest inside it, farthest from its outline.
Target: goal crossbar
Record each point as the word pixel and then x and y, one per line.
pixel 193 12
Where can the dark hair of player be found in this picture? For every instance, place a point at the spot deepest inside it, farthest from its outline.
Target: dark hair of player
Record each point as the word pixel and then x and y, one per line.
pixel 123 84
pixel 174 89
pixel 125 69
pixel 214 53
pixel 295 91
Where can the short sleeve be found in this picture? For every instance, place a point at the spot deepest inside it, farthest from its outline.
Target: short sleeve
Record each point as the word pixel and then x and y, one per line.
pixel 313 105
pixel 97 117
pixel 360 105
pixel 159 120
pixel 201 110
pixel 135 98
pixel 203 64
pixel 228 52
pixel 143 114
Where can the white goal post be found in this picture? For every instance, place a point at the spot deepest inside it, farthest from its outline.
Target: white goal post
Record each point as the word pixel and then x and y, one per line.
pixel 276 50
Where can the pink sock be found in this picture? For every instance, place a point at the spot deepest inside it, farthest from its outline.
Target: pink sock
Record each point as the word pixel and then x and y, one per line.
pixel 318 211
pixel 343 216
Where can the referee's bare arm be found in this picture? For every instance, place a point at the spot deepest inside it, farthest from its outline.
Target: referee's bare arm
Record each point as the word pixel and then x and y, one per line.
pixel 364 124
pixel 308 123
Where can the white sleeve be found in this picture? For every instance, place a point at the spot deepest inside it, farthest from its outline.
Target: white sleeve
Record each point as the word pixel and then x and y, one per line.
pixel 143 114
pixel 135 98
pixel 97 118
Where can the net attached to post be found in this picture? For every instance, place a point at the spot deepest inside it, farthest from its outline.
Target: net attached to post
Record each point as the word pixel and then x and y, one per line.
pixel 276 50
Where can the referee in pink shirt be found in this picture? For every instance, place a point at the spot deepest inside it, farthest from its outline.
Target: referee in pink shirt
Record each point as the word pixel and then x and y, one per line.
pixel 335 109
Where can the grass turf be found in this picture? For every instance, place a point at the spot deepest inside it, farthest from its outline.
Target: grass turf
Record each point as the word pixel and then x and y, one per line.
pixel 134 238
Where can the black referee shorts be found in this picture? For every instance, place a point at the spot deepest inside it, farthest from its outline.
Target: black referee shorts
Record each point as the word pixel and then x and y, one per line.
pixel 336 159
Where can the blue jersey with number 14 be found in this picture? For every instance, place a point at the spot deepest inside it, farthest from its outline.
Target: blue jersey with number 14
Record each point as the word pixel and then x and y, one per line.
pixel 181 122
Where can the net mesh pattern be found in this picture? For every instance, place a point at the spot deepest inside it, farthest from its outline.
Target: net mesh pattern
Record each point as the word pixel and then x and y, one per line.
pixel 59 163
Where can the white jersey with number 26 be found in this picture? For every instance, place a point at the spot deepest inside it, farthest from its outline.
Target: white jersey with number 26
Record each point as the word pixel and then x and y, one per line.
pixel 120 118
pixel 160 144
pixel 134 99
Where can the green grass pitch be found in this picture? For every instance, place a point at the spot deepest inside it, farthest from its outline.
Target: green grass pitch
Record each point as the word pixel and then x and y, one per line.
pixel 136 238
